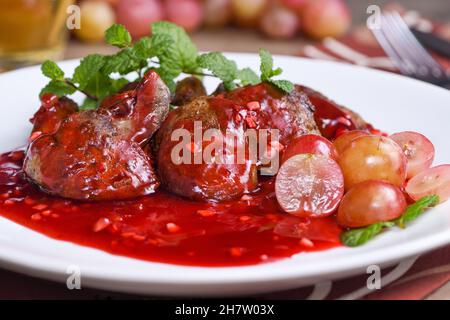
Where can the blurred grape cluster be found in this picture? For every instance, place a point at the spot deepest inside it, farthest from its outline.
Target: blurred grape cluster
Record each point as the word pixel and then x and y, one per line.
pixel 280 19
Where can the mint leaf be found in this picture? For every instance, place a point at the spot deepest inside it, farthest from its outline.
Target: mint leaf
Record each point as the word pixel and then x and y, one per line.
pixel 122 62
pixel 181 46
pixel 117 84
pixel 132 59
pixel 143 49
pixel 266 66
pixel 268 72
pixel 357 237
pixel 179 53
pixel 88 68
pixel 160 42
pixel 51 70
pixel 416 209
pixel 58 87
pixel 117 35
pixel 88 104
pixel 99 86
pixel 248 77
pixel 226 70
pixel 283 85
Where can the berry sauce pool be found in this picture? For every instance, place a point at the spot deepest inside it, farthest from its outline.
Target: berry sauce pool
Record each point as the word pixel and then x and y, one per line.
pixel 165 228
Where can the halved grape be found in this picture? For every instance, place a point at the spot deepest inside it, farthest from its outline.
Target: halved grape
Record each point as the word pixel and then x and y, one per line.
pixel 344 139
pixel 373 158
pixel 432 181
pixel 370 202
pixel 309 185
pixel 418 150
pixel 310 143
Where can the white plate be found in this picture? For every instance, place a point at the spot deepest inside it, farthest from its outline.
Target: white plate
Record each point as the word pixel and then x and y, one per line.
pixel 390 102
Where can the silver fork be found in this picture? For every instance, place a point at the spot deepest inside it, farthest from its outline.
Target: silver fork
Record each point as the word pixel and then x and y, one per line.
pixel 411 58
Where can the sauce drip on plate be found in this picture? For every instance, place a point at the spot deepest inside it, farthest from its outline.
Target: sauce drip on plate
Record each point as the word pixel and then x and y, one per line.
pixel 165 228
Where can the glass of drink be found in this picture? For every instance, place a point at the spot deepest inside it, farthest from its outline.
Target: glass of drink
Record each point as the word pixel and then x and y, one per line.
pixel 31 31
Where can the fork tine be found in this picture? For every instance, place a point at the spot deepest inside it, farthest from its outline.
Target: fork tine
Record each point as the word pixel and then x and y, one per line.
pixel 406 52
pixel 418 52
pixel 390 51
pixel 392 39
pixel 408 47
pixel 399 44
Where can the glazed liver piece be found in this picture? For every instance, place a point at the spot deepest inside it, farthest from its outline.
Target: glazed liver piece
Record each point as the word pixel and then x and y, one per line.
pixel 236 112
pixel 51 113
pixel 139 112
pixel 97 155
pixel 330 116
pixel 187 90
pixel 291 113
pixel 205 180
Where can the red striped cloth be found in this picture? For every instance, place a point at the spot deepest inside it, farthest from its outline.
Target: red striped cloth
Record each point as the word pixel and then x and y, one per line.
pixel 361 48
pixel 417 278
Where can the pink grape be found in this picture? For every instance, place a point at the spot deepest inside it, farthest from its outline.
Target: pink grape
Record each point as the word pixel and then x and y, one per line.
pixel 310 143
pixel 294 5
pixel 346 138
pixel 217 13
pixel 247 12
pixel 418 150
pixel 325 18
pixel 185 13
pixel 309 185
pixel 370 202
pixel 279 22
pixel 432 181
pixel 373 158
pixel 96 17
pixel 137 15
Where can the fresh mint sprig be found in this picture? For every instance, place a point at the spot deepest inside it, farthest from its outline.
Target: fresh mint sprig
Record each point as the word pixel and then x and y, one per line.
pixel 226 70
pixel 95 75
pixel 58 84
pixel 360 236
pixel 223 68
pixel 169 51
pixel 268 72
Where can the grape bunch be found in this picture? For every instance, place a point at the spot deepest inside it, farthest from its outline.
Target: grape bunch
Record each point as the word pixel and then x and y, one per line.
pixel 280 19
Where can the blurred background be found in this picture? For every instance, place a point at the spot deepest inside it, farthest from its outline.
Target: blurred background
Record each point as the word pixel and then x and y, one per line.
pixel 34 30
